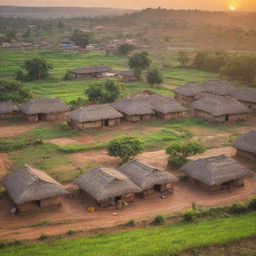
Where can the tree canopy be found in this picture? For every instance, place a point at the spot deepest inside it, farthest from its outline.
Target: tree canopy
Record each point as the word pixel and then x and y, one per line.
pixel 154 76
pixel 15 91
pixel 124 49
pixel 106 92
pixel 139 62
pixel 82 38
pixel 125 147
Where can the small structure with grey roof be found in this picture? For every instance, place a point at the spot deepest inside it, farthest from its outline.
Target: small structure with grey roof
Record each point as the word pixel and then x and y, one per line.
pixel 190 92
pixel 247 96
pixel 126 76
pixel 95 116
pixel 31 189
pixel 216 173
pixel 148 178
pixel 166 108
pixel 8 109
pixel 91 72
pixel 134 110
pixel 220 109
pixel 45 109
pixel 246 145
pixel 107 186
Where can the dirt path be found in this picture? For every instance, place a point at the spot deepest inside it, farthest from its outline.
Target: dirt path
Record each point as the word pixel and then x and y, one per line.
pixel 10 130
pixel 74 216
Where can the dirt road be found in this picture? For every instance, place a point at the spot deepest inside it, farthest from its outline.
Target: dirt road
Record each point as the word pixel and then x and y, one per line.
pixel 74 216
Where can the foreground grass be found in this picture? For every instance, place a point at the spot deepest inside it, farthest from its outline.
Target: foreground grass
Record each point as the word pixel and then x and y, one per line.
pixel 157 241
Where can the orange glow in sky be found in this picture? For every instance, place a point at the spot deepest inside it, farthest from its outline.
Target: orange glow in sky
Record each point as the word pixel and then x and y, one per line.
pixel 243 5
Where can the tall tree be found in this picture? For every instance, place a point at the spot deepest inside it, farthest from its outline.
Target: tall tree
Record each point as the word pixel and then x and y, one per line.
pixel 154 76
pixel 81 38
pixel 183 59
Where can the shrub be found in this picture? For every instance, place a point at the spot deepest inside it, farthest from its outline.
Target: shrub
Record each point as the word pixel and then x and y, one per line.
pixel 71 232
pixel 43 237
pixel 125 147
pixel 154 77
pixel 176 161
pixel 68 76
pixel 252 203
pixel 159 220
pixel 11 145
pixel 238 208
pixel 64 125
pixel 131 223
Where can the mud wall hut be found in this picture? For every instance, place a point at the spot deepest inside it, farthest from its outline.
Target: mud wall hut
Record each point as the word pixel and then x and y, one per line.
pixel 91 72
pixel 247 96
pixel 246 145
pixel 107 186
pixel 31 189
pixel 148 178
pixel 95 116
pixel 45 109
pixel 126 76
pixel 216 173
pixel 8 109
pixel 219 109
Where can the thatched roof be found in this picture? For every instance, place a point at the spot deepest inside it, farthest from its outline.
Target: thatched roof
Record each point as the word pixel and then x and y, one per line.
pixel 128 72
pixel 165 104
pixel 214 87
pixel 8 107
pixel 29 184
pixel 95 113
pixel 215 170
pixel 146 176
pixel 246 142
pixel 133 106
pixel 219 105
pixel 44 106
pixel 245 94
pixel 103 183
pixel 92 69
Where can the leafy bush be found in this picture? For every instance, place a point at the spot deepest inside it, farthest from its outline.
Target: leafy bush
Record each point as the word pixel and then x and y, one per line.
pixel 176 161
pixel 159 220
pixel 138 62
pixel 68 76
pixel 190 215
pixel 43 237
pixel 252 203
pixel 78 102
pixel 71 232
pixel 64 125
pixel 131 223
pixel 13 145
pixel 154 76
pixel 124 49
pixel 238 208
pixel 125 147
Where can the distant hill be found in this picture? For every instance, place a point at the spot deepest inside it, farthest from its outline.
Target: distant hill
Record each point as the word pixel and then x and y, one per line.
pixel 56 12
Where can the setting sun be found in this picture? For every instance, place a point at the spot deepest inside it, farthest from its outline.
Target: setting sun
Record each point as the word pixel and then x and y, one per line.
pixel 232 8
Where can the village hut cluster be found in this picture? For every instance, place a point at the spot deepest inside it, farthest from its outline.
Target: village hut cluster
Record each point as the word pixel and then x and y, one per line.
pixel 33 190
pixel 217 101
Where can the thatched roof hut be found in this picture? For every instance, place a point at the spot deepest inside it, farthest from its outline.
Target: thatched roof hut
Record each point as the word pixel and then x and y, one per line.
pixel 217 87
pixel 29 184
pixel 94 113
pixel 146 176
pixel 92 69
pixel 215 170
pixel 103 183
pixel 245 94
pixel 220 105
pixel 132 106
pixel 7 107
pixel 44 106
pixel 246 142
pixel 164 104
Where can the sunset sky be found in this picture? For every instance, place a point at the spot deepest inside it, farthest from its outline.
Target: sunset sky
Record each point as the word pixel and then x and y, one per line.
pixel 244 5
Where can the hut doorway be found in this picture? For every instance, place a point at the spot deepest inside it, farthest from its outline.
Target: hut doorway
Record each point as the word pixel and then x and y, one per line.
pixel 226 118
pixel 42 117
pixel 157 188
pixel 117 198
pixel 105 123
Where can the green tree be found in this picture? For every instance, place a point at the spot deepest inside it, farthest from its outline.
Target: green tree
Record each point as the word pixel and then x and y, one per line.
pixel 106 92
pixel 154 76
pixel 125 147
pixel 15 91
pixel 139 62
pixel 179 151
pixel 37 68
pixel 82 38
pixel 183 59
pixel 124 49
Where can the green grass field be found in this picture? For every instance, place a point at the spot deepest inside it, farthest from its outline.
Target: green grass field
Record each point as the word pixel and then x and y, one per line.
pixel 153 241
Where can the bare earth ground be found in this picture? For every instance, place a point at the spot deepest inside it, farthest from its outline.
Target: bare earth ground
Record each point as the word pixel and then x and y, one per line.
pixel 7 130
pixel 74 215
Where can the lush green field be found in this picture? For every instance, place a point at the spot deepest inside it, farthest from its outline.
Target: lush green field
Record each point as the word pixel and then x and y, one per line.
pixel 157 241
pixel 10 61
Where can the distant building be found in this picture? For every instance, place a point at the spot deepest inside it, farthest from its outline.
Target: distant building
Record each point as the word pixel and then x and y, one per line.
pixel 220 109
pixel 216 173
pixel 126 76
pixel 247 96
pixel 8 109
pixel 91 72
pixel 45 109
pixel 95 116
pixel 246 145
